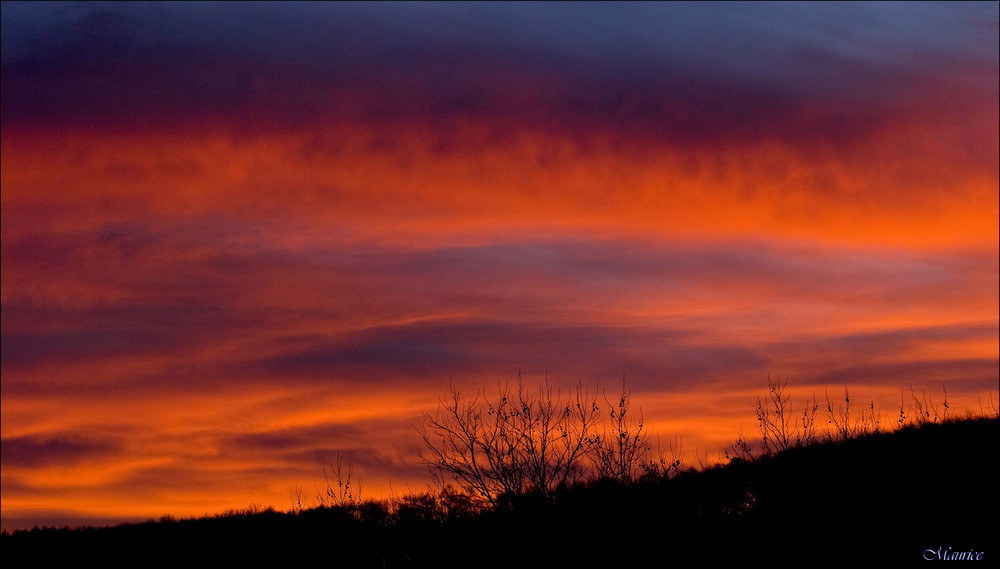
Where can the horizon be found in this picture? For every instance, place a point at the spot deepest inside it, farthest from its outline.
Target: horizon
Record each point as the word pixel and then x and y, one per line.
pixel 240 240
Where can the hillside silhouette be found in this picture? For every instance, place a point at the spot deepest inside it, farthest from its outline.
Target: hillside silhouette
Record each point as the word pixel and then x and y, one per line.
pixel 892 498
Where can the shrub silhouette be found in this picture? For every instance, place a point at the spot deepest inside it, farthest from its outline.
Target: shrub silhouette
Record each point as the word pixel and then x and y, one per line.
pixel 519 442
pixel 779 426
pixel 525 442
pixel 622 451
pixel 780 431
pixel 341 491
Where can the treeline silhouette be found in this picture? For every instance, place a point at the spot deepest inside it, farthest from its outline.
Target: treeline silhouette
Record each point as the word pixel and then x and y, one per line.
pixel 797 495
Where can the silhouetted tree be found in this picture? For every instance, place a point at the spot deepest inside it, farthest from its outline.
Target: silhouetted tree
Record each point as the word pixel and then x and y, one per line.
pixel 521 441
pixel 622 447
pixel 775 420
pixel 342 493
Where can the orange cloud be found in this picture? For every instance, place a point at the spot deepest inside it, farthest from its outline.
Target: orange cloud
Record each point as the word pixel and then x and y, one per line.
pixel 347 181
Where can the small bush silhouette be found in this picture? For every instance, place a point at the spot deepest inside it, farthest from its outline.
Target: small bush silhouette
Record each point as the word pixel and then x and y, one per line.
pixel 621 451
pixel 536 442
pixel 781 427
pixel 519 442
pixel 340 492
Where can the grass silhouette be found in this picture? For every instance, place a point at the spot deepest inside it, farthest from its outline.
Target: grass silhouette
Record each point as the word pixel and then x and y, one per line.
pixel 860 494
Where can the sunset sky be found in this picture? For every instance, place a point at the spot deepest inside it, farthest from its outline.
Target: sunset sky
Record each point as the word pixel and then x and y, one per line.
pixel 239 239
